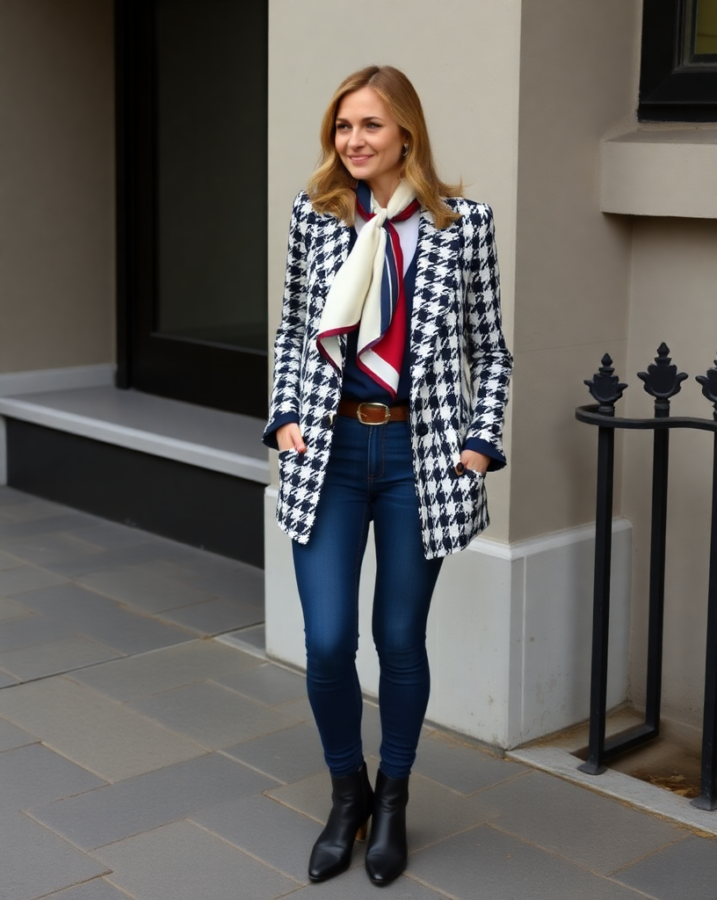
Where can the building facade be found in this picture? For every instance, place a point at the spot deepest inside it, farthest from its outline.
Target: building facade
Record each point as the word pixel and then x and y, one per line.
pixel 607 232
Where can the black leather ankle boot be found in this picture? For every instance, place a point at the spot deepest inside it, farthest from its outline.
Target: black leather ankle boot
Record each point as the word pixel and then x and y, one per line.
pixel 352 799
pixel 387 852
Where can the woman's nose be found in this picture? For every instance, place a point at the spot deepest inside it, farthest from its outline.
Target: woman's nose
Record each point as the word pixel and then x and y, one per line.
pixel 356 138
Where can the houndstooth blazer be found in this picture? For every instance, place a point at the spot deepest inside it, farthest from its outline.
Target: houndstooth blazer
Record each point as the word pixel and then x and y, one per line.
pixel 459 365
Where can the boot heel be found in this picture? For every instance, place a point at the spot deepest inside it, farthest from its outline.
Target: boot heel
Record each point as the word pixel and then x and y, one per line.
pixel 362 831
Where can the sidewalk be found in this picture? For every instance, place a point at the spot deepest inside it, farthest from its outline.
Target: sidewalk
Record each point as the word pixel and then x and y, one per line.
pixel 141 756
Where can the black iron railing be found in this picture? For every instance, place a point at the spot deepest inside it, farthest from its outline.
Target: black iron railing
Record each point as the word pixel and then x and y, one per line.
pixel 662 381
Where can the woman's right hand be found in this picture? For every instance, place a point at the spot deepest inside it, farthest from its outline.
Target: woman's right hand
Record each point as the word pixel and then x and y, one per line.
pixel 288 437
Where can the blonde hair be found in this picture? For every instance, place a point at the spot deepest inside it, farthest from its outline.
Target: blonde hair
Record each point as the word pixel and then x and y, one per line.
pixel 331 187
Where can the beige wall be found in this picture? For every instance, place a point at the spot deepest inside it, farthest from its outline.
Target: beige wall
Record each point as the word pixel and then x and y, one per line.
pixel 56 184
pixel 578 75
pixel 673 298
pixel 462 56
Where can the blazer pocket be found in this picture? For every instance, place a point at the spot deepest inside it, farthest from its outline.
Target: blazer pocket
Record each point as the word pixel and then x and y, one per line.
pixel 289 461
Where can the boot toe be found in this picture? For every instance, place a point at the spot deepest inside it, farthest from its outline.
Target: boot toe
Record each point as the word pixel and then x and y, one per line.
pixel 381 875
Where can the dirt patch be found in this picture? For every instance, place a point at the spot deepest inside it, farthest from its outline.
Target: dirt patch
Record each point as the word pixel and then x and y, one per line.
pixel 670 781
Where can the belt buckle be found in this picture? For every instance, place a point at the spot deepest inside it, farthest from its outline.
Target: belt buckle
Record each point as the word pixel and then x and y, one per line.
pixel 386 413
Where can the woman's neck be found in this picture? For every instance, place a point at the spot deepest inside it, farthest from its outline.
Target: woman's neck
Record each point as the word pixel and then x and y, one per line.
pixel 383 189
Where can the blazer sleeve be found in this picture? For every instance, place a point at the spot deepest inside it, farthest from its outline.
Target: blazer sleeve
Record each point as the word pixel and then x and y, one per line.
pixel 284 403
pixel 489 362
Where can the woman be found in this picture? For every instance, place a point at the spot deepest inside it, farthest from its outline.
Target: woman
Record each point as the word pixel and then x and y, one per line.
pixel 390 384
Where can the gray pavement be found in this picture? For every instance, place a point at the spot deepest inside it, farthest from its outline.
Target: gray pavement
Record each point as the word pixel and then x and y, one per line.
pixel 140 757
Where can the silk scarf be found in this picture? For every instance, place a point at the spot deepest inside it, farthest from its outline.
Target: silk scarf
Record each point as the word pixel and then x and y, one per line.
pixel 367 292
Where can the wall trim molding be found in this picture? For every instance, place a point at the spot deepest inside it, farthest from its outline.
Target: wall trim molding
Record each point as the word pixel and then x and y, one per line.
pixel 537 545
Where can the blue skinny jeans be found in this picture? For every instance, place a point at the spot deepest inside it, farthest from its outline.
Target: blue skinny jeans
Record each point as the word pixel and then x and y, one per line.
pixel 369 477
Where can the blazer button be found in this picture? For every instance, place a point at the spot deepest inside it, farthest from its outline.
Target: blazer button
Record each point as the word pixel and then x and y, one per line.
pixel 459 468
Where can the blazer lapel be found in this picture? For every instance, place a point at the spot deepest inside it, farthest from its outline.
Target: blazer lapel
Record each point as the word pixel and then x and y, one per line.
pixel 330 248
pixel 333 241
pixel 436 282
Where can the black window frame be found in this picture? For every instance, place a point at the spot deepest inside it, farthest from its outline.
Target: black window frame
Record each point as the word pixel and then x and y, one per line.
pixel 671 91
pixel 230 379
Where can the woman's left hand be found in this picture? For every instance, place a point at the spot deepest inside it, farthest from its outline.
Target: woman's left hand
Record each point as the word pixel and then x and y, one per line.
pixel 477 462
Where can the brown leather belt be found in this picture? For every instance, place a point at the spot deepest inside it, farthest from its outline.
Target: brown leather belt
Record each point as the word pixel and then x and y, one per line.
pixel 373 413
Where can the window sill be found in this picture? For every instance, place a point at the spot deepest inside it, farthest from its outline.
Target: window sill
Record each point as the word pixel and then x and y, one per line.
pixel 660 171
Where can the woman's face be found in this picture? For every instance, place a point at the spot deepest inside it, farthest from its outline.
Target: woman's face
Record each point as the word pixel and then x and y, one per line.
pixel 370 141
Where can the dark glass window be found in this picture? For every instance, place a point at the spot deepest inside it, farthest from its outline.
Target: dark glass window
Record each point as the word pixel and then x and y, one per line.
pixel 700 44
pixel 192 100
pixel 678 76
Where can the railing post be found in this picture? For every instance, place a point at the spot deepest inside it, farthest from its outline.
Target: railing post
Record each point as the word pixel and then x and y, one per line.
pixel 606 388
pixel 708 789
pixel 662 381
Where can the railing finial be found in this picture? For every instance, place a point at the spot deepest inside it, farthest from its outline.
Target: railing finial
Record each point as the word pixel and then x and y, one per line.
pixel 662 380
pixel 709 386
pixel 606 387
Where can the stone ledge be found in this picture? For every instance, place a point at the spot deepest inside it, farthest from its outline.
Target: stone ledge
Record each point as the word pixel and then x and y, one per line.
pixel 207 438
pixel 660 171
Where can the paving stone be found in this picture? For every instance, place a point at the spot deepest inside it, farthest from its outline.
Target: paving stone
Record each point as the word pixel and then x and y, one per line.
pixel 55 657
pixel 111 535
pixel 15 532
pixel 31 630
pixel 120 810
pixel 113 558
pixel 238 582
pixel 169 667
pixel 10 496
pixel 485 864
pixel 98 734
pixel 685 871
pixel 270 831
pixel 542 809
pixel 53 551
pixel 81 611
pixel 354 885
pixel 215 616
pixel 32 775
pixel 266 683
pixel 139 588
pixel 34 509
pixel 192 564
pixel 26 578
pixel 9 609
pixel 300 710
pixel 434 813
pixel 461 767
pixel 11 736
pixel 254 638
pixel 97 889
pixel 212 715
pixel 288 755
pixel 34 862
pixel 183 861
pixel 6 680
pixel 8 562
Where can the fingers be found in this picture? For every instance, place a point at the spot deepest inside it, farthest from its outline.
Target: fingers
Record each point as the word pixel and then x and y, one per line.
pixel 476 462
pixel 288 437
